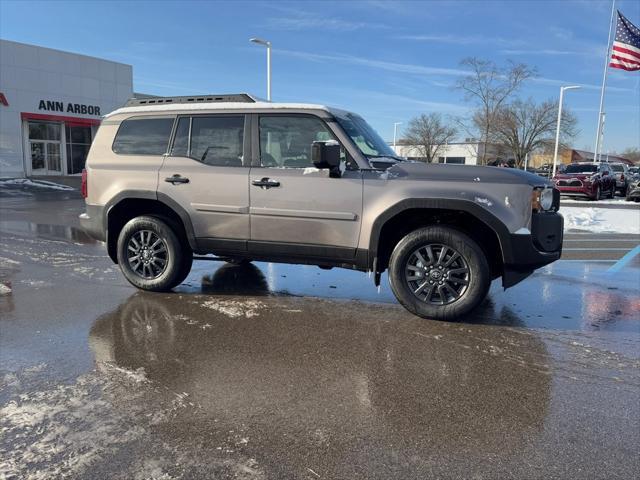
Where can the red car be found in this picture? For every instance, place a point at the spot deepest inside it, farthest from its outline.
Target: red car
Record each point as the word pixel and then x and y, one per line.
pixel 593 180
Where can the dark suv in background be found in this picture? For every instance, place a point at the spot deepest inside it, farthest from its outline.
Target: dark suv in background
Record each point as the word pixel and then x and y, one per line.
pixel 593 180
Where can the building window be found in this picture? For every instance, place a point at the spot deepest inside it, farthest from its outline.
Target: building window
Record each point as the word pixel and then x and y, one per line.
pixel 456 160
pixel 45 148
pixel 78 143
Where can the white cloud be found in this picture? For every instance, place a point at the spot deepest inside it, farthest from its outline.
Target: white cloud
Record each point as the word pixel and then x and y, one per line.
pixel 371 63
pixel 540 52
pixel 459 39
pixel 295 19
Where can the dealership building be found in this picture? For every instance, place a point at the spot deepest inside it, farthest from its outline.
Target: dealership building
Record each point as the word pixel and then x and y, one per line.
pixel 51 103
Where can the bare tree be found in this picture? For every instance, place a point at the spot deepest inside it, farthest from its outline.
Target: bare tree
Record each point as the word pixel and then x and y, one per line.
pixel 490 87
pixel 524 126
pixel 631 153
pixel 429 134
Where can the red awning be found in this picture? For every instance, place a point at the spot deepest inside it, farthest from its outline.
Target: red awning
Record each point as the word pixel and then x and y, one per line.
pixel 71 121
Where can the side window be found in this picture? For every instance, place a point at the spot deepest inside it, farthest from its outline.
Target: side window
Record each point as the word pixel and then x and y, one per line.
pixel 285 141
pixel 217 140
pixel 143 136
pixel 181 140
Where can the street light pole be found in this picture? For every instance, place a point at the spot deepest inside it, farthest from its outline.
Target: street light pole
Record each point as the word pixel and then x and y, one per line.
pixel 395 133
pixel 555 153
pixel 267 44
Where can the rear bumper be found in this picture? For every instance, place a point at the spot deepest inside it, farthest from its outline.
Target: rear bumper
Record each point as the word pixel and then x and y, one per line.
pixel 92 222
pixel 537 249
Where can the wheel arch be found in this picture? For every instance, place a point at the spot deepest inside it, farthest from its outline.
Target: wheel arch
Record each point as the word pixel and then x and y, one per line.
pixel 130 204
pixel 409 214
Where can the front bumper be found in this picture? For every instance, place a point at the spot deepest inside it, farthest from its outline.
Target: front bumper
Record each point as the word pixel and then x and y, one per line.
pixel 584 190
pixel 92 222
pixel 537 249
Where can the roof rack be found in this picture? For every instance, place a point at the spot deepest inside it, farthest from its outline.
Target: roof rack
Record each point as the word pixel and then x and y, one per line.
pixel 234 97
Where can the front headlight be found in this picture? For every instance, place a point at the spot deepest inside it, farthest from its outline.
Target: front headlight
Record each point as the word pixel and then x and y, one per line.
pixel 542 199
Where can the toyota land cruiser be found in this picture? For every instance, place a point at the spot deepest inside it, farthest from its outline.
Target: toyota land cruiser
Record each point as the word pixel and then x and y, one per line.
pixel 168 178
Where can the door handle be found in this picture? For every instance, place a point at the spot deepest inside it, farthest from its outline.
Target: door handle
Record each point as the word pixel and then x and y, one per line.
pixel 177 178
pixel 265 183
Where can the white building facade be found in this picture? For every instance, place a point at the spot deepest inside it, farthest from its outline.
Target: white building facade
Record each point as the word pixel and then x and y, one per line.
pixel 463 153
pixel 51 103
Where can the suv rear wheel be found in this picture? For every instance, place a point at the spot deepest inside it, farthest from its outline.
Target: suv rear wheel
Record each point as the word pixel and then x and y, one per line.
pixel 151 256
pixel 439 273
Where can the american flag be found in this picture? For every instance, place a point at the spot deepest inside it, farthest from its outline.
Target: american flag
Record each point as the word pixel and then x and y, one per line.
pixel 626 46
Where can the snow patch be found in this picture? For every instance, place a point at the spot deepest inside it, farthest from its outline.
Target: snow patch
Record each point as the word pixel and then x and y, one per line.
pixel 234 308
pixel 138 376
pixel 310 170
pixel 27 182
pixel 6 262
pixel 601 220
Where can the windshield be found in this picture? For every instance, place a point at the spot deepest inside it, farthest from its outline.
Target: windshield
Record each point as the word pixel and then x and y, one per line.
pixel 581 169
pixel 365 137
pixel 617 168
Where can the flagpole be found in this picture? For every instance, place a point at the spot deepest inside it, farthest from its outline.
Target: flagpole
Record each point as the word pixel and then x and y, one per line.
pixel 604 85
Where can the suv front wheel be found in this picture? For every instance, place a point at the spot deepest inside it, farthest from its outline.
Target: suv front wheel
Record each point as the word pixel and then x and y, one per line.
pixel 151 256
pixel 439 273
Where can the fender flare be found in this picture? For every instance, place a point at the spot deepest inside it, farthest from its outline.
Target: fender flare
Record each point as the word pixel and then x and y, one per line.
pixel 453 205
pixel 155 196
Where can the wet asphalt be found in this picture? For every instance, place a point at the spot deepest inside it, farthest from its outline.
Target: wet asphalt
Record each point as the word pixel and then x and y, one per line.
pixel 265 371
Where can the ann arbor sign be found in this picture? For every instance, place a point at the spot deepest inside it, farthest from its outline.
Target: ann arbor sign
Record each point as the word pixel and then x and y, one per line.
pixel 55 106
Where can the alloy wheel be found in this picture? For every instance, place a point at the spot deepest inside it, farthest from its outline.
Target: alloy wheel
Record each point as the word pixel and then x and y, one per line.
pixel 437 274
pixel 147 254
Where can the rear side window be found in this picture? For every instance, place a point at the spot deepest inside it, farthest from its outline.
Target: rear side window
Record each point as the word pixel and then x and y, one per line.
pixel 143 136
pixel 216 141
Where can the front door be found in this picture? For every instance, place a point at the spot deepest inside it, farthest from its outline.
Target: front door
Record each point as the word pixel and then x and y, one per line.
pixel 205 174
pixel 294 205
pixel 45 153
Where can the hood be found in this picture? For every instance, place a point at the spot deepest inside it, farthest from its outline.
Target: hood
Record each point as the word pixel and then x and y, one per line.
pixel 465 173
pixel 579 176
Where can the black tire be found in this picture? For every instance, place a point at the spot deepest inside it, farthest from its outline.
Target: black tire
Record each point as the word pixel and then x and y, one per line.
pixel 598 194
pixel 478 276
pixel 170 266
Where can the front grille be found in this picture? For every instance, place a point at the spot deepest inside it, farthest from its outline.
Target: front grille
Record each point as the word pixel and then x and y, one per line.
pixel 574 182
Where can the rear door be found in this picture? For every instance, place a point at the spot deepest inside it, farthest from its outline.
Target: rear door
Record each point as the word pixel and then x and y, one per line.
pixel 296 209
pixel 205 174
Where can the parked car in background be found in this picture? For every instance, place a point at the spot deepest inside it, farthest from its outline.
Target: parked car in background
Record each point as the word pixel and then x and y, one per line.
pixel 633 190
pixel 634 172
pixel 593 180
pixel 620 172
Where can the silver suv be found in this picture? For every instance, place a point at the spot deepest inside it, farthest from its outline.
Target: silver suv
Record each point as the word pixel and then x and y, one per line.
pixel 170 178
pixel 621 173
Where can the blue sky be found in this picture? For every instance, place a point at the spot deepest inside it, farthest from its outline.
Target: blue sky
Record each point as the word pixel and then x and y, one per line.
pixel 389 61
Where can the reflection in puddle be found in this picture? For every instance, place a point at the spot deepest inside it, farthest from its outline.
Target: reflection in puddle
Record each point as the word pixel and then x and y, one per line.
pixel 300 366
pixel 43 230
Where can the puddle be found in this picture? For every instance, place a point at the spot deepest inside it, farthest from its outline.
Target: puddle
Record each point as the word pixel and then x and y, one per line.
pixel 48 231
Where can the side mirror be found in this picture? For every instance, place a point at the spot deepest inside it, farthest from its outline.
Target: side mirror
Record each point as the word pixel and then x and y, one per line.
pixel 326 155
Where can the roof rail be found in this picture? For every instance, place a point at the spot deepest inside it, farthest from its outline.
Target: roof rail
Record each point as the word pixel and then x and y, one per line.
pixel 233 97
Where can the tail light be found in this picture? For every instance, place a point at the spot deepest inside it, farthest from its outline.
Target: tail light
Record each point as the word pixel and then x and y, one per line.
pixel 622 177
pixel 83 186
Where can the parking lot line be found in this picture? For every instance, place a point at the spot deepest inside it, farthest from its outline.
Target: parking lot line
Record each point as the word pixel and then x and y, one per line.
pixel 620 264
pixel 595 249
